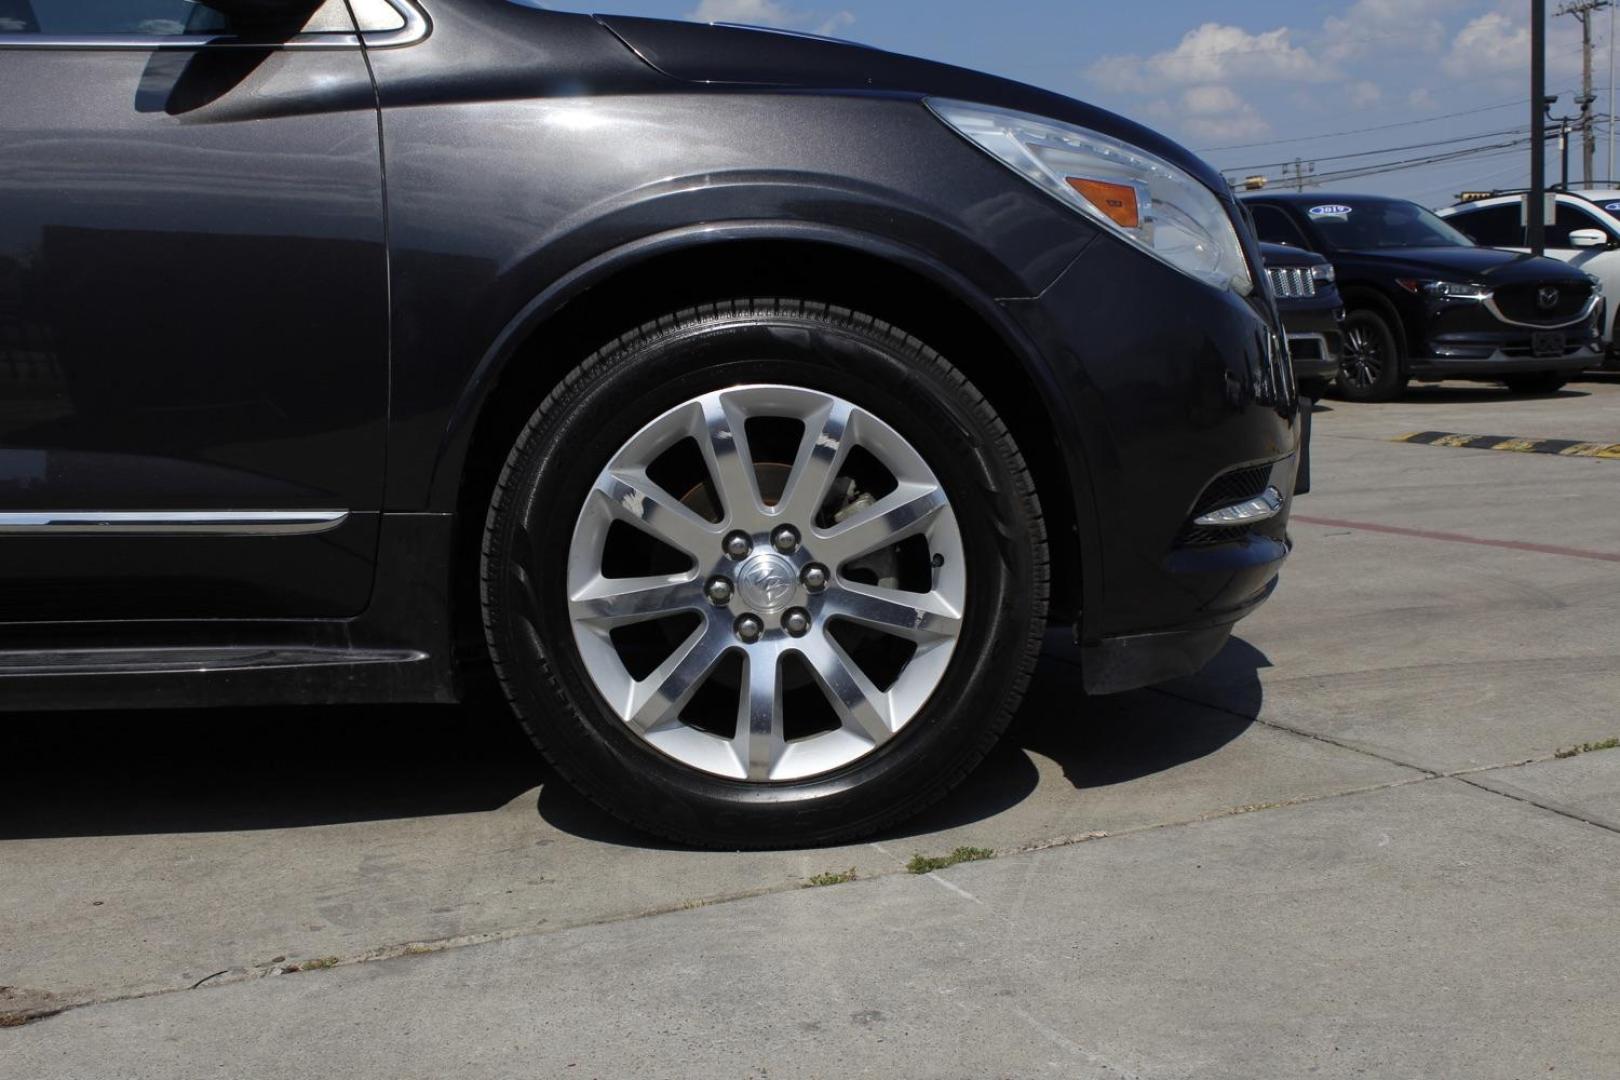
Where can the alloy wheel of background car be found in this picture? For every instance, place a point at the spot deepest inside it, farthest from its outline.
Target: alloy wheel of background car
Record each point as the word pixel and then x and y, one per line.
pixel 1371 367
pixel 765 574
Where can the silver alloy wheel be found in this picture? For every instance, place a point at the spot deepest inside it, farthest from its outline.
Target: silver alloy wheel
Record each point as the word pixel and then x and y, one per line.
pixel 762 616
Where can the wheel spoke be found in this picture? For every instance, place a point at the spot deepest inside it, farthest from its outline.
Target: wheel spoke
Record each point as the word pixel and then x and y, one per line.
pixel 724 443
pixel 919 617
pixel 860 705
pixel 631 496
pixel 613 602
pixel 822 451
pixel 657 700
pixel 760 741
pixel 736 597
pixel 908 510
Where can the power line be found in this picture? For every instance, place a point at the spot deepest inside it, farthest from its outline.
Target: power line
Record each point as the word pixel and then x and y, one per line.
pixel 1383 150
pixel 1380 168
pixel 1517 102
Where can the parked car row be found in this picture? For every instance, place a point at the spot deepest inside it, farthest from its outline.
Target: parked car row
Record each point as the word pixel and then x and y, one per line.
pixel 1423 300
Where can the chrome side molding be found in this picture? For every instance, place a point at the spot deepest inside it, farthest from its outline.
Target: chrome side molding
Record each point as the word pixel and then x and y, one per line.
pixel 169 522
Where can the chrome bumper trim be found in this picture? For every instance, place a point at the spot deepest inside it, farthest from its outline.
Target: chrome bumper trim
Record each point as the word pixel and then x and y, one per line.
pixel 1586 313
pixel 1262 507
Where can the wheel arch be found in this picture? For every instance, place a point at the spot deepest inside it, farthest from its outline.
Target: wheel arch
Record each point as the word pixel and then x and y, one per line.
pixel 620 291
pixel 1374 299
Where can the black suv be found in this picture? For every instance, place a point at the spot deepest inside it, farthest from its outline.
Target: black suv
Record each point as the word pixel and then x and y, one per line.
pixel 748 404
pixel 1424 302
pixel 1305 287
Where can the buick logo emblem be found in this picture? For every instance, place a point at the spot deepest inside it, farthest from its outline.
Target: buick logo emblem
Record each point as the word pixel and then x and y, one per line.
pixel 1548 297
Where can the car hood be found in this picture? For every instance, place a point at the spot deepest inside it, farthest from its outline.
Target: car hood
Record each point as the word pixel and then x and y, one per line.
pixel 1479 264
pixel 774 59
pixel 1283 255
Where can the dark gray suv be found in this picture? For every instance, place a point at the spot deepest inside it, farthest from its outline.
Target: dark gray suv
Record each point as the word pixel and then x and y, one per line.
pixel 748 404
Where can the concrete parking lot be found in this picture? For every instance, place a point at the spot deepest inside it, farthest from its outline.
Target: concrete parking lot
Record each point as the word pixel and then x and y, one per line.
pixel 1378 837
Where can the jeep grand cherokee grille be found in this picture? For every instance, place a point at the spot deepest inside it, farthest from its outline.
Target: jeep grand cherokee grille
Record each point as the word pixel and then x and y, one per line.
pixel 1291 282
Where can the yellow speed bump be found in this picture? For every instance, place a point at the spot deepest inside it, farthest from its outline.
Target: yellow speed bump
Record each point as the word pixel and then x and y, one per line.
pixel 1514 444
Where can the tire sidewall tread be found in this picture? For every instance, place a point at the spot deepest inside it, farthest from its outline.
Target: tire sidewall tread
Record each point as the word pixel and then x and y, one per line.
pixel 554 686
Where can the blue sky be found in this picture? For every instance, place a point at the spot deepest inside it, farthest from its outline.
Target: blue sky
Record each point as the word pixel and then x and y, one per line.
pixel 1270 79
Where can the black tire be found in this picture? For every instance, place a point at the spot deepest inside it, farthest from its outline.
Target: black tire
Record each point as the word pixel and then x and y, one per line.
pixel 1373 368
pixel 1536 382
pixel 622 387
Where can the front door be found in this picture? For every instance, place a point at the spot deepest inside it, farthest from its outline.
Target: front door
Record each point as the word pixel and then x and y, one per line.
pixel 193 313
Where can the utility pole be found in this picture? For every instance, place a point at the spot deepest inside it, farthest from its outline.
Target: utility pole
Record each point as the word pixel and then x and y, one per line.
pixel 1536 210
pixel 1583 10
pixel 1298 174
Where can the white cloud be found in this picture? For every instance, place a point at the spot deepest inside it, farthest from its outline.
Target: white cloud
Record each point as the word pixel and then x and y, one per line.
pixel 13 24
pixel 1364 95
pixel 1213 53
pixel 1214 111
pixel 770 13
pixel 1422 100
pixel 1492 44
pixel 1384 26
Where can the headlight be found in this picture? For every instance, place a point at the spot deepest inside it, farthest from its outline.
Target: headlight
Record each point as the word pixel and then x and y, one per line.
pixel 1123 188
pixel 1325 274
pixel 1597 284
pixel 1445 290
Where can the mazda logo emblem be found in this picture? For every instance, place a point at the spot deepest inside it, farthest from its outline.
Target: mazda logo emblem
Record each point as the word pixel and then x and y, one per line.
pixel 1548 297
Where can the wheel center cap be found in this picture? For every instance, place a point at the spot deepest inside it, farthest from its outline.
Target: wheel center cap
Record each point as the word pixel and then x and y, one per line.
pixel 767 583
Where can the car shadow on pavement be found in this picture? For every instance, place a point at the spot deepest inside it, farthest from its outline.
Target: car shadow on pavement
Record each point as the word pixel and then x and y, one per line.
pixel 1465 394
pixel 195 771
pixel 210 770
pixel 1096 742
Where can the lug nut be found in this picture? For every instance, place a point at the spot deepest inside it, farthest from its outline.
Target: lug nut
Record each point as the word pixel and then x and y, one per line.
pixel 750 629
pixel 738 545
pixel 815 577
pixel 786 539
pixel 719 592
pixel 796 622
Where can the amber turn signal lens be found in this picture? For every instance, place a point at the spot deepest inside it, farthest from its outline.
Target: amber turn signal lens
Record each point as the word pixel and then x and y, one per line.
pixel 1118 201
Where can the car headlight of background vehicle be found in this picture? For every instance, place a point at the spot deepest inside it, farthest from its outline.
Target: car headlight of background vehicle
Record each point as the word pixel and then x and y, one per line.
pixel 1597 284
pixel 1324 274
pixel 1445 290
pixel 1127 190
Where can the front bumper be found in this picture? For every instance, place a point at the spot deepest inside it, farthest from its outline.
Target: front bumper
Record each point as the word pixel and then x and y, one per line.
pixel 1315 336
pixel 1473 341
pixel 1177 395
pixel 1500 362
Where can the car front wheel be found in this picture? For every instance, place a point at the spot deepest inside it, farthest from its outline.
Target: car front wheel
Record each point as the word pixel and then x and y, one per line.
pixel 765 574
pixel 1371 368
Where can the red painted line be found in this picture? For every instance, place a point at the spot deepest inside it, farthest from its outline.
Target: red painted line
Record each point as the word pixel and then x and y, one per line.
pixel 1459 538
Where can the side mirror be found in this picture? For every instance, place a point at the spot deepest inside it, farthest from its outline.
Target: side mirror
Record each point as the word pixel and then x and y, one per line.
pixel 1589 238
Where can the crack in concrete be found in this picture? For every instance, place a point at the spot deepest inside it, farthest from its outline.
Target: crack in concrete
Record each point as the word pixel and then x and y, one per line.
pixel 233 976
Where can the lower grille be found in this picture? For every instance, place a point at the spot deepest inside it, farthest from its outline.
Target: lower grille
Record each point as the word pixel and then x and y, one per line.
pixel 1224 490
